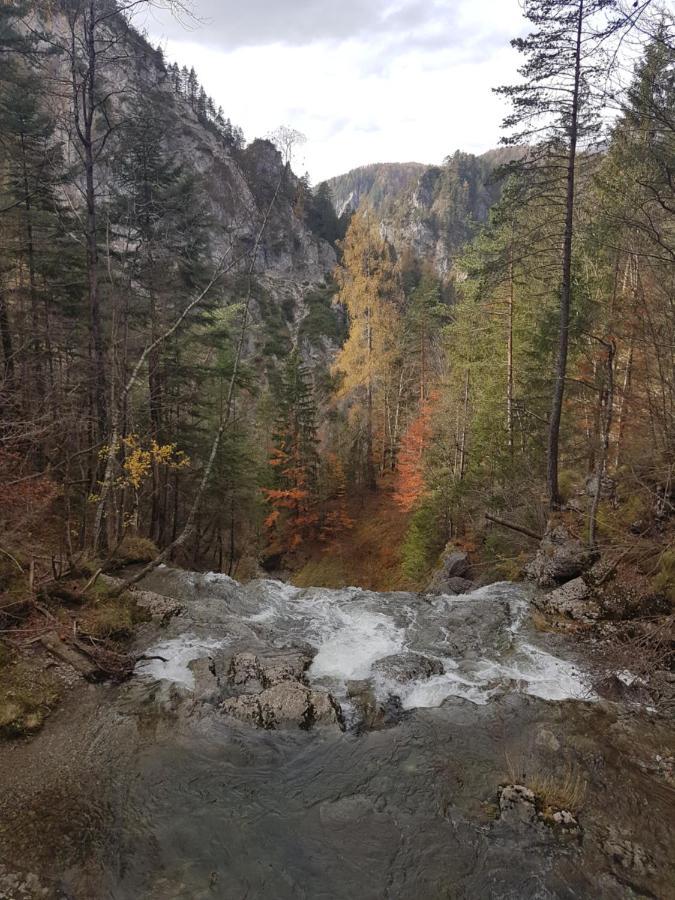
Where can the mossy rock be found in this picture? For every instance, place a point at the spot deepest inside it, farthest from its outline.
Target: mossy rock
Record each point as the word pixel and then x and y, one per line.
pixel 113 618
pixel 27 696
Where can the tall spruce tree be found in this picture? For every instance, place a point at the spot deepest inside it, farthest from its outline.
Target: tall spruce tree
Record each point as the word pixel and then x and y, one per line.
pixel 556 112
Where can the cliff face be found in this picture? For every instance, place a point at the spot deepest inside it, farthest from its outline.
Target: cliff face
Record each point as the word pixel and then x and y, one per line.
pixel 246 195
pixel 432 210
pixel 378 184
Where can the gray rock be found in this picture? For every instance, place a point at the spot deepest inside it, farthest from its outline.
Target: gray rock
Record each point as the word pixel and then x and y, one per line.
pixel 628 855
pixel 560 558
pixel 244 672
pixel 289 666
pixel 405 667
pixel 246 708
pixel 573 600
pixel 252 672
pixel 480 627
pixel 517 805
pixel 565 820
pixel 325 709
pixel 454 564
pixel 207 688
pixel 288 704
pixel 369 711
pixel 457 585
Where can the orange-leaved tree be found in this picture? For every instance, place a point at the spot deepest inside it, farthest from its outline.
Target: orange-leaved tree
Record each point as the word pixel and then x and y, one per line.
pixel 410 474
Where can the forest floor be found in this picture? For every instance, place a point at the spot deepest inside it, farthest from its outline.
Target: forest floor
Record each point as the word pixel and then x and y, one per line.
pixel 368 555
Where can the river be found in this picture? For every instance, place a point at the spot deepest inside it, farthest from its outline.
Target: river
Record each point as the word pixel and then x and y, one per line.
pixel 150 790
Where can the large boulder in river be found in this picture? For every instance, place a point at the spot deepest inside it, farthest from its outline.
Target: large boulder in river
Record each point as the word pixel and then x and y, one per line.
pixel 251 673
pixel 287 704
pixel 451 575
pixel 404 667
pixel 560 558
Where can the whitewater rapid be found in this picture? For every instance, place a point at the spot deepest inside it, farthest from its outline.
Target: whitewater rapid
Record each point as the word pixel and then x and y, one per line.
pixel 483 640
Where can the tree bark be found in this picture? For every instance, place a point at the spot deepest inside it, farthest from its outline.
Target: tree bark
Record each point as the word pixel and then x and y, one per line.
pixel 509 354
pixel 604 445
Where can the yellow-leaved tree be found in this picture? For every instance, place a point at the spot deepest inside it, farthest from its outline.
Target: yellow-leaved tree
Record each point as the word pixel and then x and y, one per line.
pixel 370 291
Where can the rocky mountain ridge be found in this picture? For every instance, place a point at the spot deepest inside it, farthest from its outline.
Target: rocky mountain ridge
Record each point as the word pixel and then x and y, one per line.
pixel 247 195
pixel 430 210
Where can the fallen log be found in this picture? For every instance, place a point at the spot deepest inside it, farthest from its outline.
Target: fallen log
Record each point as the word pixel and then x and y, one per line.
pixel 519 528
pixel 74 658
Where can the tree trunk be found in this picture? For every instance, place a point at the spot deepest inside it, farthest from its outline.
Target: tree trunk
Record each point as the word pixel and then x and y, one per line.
pixel 553 448
pixel 7 343
pixel 36 362
pixel 509 355
pixel 465 425
pixel 604 445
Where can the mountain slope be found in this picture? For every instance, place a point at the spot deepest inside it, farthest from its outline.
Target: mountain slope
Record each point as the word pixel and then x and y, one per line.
pixel 378 184
pixel 432 210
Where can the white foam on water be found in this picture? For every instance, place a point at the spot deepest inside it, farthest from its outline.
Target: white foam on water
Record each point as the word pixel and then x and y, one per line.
pixel 432 692
pixel 350 636
pixel 351 641
pixel 179 653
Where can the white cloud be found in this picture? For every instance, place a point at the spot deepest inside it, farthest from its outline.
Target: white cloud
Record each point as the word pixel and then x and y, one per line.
pixel 384 99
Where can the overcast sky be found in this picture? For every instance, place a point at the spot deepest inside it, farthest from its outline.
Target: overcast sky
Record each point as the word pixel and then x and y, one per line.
pixel 365 80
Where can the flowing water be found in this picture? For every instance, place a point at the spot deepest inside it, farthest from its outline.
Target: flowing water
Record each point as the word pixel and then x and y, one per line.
pixel 148 790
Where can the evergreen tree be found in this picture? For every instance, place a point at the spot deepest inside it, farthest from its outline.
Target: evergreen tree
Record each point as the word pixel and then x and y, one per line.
pixel 294 460
pixel 555 107
pixel 321 215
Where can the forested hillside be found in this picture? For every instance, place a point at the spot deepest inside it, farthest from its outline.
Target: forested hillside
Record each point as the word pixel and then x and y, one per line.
pixel 203 362
pixel 431 211
pixel 156 273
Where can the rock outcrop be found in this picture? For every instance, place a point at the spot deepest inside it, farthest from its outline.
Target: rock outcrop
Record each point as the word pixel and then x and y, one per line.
pixel 403 667
pixel 451 575
pixel 560 558
pixel 271 692
pixel 573 600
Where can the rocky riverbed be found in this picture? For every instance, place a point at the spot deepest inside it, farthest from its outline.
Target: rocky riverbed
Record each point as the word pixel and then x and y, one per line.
pixel 284 743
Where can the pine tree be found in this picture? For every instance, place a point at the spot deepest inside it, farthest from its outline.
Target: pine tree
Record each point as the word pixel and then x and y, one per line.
pixel 556 109
pixel 192 88
pixel 294 461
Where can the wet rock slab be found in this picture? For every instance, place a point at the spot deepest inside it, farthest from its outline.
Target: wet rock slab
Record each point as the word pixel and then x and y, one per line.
pixel 271 692
pixel 404 667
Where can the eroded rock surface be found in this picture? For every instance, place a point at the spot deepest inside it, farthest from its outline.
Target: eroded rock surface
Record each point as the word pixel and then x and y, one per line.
pixel 405 667
pixel 573 600
pixel 271 692
pixel 560 558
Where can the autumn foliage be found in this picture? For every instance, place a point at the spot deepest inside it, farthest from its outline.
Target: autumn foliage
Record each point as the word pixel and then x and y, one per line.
pixel 409 484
